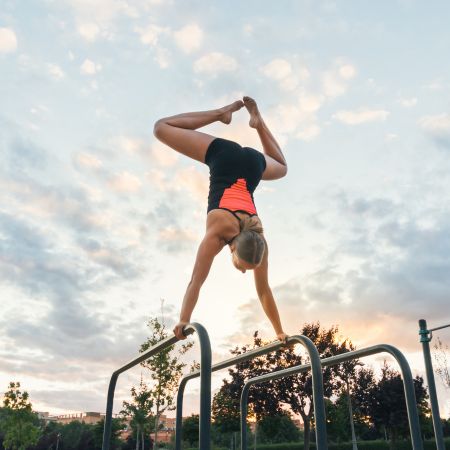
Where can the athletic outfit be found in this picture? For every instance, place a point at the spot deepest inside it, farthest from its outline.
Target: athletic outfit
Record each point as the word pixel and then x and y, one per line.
pixel 235 172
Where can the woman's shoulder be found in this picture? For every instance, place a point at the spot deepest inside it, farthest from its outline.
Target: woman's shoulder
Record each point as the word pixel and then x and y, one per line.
pixel 222 223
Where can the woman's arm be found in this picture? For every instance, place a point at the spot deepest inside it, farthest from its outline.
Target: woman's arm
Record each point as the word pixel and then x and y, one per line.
pixel 266 297
pixel 208 249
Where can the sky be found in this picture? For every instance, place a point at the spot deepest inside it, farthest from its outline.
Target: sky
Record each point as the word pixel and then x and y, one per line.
pixel 99 222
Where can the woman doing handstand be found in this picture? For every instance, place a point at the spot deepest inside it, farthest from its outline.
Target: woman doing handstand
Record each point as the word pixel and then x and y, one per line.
pixel 232 219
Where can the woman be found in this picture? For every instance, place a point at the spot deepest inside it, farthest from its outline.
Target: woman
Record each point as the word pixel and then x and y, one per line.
pixel 232 220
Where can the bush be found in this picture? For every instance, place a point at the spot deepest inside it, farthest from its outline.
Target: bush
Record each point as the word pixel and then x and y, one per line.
pixel 362 445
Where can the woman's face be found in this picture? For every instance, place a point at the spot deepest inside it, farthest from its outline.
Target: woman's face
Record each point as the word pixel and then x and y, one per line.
pixel 240 264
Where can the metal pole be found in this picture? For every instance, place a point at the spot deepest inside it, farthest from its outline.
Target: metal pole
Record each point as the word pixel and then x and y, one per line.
pixel 205 383
pixel 317 384
pixel 408 385
pixel 425 338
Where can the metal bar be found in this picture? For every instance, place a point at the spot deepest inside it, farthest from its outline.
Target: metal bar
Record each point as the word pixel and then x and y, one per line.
pixel 205 383
pixel 319 405
pixel 425 338
pixel 408 384
pixel 439 328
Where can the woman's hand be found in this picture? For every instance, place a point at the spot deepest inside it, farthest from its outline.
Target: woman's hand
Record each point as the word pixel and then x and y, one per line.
pixel 178 330
pixel 283 337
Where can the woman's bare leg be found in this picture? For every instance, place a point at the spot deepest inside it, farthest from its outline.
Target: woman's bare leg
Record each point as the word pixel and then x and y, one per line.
pixel 178 132
pixel 276 163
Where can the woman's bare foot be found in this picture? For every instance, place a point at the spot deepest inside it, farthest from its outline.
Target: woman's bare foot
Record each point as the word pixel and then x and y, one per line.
pixel 226 113
pixel 252 108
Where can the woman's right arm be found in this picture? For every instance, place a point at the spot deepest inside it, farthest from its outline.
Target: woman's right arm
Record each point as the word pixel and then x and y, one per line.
pixel 208 249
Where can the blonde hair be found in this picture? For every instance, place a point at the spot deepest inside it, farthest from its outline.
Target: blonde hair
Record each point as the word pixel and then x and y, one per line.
pixel 249 243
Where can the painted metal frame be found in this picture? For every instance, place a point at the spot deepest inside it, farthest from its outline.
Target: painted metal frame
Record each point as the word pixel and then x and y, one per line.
pixel 408 384
pixel 205 383
pixel 317 383
pixel 425 339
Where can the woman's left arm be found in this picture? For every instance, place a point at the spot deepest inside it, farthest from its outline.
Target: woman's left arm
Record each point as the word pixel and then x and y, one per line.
pixel 266 297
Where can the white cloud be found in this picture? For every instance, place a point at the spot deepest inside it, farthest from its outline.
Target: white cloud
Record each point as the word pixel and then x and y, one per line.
pixel 193 181
pixel 347 71
pixel 163 155
pixel 436 124
pixel 310 103
pixel 281 70
pixel 162 57
pixel 177 235
pixel 125 182
pixel 87 160
pixel 189 38
pixel 390 137
pixel 90 68
pixel 334 81
pixel 55 71
pixel 361 116
pixel 129 144
pixel 333 85
pixel 89 31
pixel 150 35
pixel 215 62
pixel 277 69
pixel 308 133
pixel 408 102
pixel 8 40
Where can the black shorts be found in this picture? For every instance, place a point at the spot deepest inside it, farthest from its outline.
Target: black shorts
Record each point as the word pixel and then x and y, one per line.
pixel 233 168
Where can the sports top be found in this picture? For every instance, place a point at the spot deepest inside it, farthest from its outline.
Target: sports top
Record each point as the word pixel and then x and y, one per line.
pixel 235 172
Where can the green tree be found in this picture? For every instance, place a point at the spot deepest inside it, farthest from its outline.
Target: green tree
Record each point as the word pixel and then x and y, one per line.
pixel 263 399
pixel 140 412
pixel 296 390
pixel 277 429
pixel 166 369
pixel 20 425
pixel 191 429
pixel 117 426
pixel 388 408
pixel 77 435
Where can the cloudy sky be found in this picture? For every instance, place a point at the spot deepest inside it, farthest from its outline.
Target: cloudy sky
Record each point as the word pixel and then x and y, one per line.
pixel 99 221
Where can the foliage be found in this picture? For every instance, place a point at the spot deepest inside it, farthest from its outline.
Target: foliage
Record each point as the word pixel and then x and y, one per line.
pixel 191 429
pixel 442 363
pixel 388 407
pixel 140 412
pixel 277 429
pixel 19 424
pixel 296 390
pixel 262 398
pixel 166 370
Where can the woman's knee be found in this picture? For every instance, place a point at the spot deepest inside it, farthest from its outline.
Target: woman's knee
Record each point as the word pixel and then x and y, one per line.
pixel 159 127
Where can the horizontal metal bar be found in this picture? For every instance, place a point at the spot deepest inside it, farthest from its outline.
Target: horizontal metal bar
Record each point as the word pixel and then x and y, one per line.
pixel 408 384
pixel 157 348
pixel 319 405
pixel 440 328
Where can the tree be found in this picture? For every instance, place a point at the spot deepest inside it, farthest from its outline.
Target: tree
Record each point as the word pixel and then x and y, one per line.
pixel 278 428
pixel 117 426
pixel 77 435
pixel 165 369
pixel 388 406
pixel 442 362
pixel 296 390
pixel 191 430
pixel 140 412
pixel 20 425
pixel 262 397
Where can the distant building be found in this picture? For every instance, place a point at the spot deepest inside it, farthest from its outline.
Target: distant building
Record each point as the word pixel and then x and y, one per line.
pixel 86 417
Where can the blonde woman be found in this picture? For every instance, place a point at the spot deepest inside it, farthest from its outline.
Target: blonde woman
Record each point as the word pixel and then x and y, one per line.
pixel 232 219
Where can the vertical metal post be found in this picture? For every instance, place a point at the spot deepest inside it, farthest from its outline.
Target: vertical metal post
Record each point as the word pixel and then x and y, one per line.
pixel 425 338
